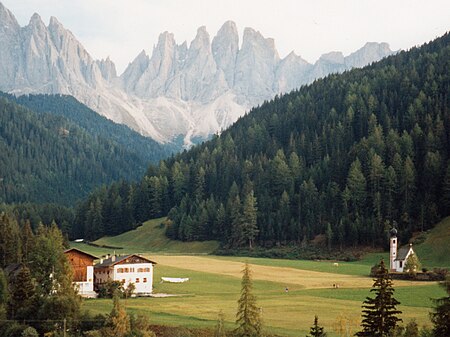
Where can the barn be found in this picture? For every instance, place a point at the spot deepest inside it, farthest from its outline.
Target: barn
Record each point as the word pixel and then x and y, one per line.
pixel 83 271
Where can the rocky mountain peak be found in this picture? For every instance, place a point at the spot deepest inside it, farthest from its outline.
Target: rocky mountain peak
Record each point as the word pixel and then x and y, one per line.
pixel 193 90
pixel 333 57
pixel 201 40
pixel 107 69
pixel 225 47
pixel 165 39
pixel 36 22
pixel 7 19
pixel 372 51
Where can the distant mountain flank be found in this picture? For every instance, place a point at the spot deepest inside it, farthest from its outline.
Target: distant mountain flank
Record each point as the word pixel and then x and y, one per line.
pixel 56 150
pixel 190 90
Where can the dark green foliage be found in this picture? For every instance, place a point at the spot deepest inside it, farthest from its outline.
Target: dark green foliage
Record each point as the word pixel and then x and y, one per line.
pixel 380 313
pixel 341 157
pixel 10 243
pixel 248 316
pixel 109 288
pixel 441 315
pixel 316 330
pixel 4 294
pixel 23 300
pixel 62 155
pixel 122 139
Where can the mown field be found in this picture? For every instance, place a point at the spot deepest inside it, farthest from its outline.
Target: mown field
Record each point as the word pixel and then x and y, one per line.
pixel 214 285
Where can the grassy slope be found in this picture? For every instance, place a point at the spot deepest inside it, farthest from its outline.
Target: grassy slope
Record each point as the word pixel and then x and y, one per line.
pixel 150 237
pixel 435 250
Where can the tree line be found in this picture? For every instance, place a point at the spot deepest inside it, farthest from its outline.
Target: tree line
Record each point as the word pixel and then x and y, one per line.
pixel 346 157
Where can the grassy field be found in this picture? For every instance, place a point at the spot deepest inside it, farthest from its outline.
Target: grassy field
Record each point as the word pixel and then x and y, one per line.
pixel 215 283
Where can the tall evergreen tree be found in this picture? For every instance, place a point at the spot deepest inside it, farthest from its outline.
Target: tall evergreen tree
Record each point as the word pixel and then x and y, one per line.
pixel 249 219
pixel 22 302
pixel 248 316
pixel 441 315
pixel 380 313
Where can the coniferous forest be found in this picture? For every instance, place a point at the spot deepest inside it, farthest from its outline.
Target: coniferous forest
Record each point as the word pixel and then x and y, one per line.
pixel 348 156
pixel 48 158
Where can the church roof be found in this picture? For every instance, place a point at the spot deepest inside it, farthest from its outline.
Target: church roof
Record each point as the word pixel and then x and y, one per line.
pixel 403 253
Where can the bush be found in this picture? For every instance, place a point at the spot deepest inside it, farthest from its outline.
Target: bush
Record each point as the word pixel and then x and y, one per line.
pixel 107 289
pixel 29 332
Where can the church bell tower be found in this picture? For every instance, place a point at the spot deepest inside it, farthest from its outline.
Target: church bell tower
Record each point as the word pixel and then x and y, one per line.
pixel 393 242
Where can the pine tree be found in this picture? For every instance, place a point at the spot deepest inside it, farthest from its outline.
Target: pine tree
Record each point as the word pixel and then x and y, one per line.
pixel 22 300
pixel 441 315
pixel 118 322
pixel 380 313
pixel 249 219
pixel 248 316
pixel 316 330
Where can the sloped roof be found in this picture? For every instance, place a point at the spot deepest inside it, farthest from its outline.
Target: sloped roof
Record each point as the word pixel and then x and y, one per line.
pixel 81 252
pixel 117 259
pixel 403 253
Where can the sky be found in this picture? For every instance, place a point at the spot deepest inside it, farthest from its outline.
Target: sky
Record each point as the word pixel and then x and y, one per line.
pixel 121 29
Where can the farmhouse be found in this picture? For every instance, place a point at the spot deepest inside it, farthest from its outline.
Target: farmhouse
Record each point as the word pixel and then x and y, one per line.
pixel 127 269
pixel 398 257
pixel 83 271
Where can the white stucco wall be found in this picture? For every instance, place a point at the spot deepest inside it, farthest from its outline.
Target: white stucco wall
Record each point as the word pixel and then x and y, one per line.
pixel 134 273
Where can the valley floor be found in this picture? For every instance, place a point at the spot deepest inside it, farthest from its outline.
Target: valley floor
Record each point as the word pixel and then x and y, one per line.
pixel 214 285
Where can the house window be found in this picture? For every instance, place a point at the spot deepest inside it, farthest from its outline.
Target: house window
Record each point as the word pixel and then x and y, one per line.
pixel 137 280
pixel 145 280
pixel 131 270
pixel 140 270
pixel 147 270
pixel 393 241
pixel 126 270
pixel 120 270
pixel 123 280
pixel 401 264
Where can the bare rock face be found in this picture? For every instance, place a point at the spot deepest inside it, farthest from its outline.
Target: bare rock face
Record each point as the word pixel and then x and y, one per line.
pixel 194 90
pixel 225 47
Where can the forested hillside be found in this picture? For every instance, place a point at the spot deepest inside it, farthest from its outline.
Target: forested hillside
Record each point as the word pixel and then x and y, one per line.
pixel 47 158
pixel 145 149
pixel 347 156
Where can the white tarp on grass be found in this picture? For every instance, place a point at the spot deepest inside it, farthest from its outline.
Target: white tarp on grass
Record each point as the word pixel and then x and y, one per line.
pixel 175 279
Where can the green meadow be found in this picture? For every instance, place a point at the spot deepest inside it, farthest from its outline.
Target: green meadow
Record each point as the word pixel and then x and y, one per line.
pixel 214 284
pixel 199 300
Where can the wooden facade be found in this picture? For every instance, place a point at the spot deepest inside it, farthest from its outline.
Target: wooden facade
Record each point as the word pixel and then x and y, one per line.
pixel 80 261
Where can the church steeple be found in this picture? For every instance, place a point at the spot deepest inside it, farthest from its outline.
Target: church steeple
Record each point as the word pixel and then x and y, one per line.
pixel 393 243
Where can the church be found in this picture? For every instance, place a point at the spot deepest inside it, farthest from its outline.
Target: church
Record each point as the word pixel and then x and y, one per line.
pixel 398 257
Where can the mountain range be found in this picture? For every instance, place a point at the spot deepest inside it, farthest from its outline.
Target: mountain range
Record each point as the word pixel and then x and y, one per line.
pixel 183 90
